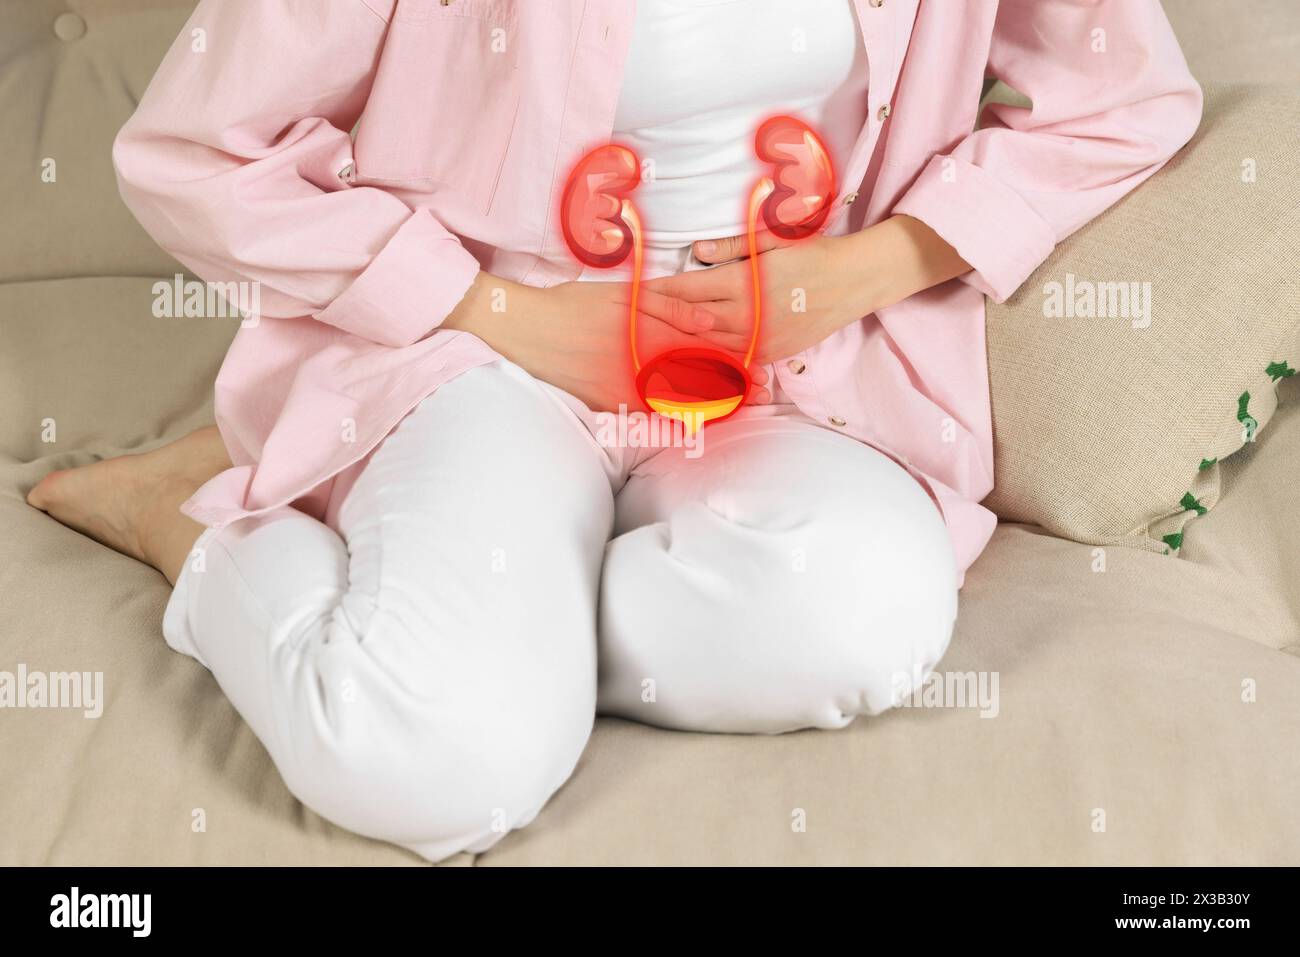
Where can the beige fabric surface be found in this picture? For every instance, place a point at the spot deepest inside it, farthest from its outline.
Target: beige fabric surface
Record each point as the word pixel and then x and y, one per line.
pixel 1244 41
pixel 1101 424
pixel 1120 690
pixel 63 101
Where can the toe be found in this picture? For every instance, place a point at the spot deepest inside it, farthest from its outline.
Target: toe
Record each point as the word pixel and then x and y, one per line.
pixel 39 496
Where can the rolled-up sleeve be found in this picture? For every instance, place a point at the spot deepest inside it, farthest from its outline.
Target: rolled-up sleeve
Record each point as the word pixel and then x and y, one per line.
pixel 1111 101
pixel 235 162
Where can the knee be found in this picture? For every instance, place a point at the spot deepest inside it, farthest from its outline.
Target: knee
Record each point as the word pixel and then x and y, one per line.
pixel 867 613
pixel 437 776
pixel 888 609
pixel 881 639
pixel 758 624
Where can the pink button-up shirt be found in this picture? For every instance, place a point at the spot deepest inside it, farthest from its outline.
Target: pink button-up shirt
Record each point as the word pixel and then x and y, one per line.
pixel 240 162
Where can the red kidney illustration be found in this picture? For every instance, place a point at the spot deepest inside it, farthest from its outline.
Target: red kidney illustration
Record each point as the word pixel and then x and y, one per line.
pixel 592 208
pixel 804 183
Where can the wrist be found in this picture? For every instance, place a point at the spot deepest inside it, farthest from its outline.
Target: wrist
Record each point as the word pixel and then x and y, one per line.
pixel 866 285
pixel 897 258
pixel 485 308
pixel 472 309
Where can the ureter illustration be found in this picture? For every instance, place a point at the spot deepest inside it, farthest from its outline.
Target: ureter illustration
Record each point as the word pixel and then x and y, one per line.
pixel 638 258
pixel 756 199
pixel 703 383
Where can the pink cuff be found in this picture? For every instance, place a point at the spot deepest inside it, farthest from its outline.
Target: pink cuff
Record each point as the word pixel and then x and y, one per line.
pixel 408 288
pixel 986 221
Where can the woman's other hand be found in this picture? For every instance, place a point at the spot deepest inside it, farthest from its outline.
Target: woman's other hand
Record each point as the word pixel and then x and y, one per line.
pixel 811 288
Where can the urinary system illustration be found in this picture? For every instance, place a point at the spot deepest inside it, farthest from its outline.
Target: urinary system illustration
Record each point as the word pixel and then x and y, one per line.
pixel 697 384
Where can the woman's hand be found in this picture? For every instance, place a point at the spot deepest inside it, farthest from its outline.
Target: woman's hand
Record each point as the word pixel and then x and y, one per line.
pixel 811 288
pixel 575 335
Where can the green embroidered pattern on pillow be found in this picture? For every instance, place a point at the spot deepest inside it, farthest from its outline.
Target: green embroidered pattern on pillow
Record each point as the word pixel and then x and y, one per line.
pixel 1276 371
pixel 1245 418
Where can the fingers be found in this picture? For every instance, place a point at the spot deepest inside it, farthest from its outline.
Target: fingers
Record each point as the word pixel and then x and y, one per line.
pixel 697 316
pixel 678 313
pixel 702 285
pixel 721 250
pixel 734 247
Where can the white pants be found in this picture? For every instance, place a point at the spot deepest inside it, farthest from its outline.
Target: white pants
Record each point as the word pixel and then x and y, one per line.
pixel 429 675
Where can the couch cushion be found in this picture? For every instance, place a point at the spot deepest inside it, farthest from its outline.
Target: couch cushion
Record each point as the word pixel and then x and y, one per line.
pixel 1253 41
pixel 73 71
pixel 1107 426
pixel 87 370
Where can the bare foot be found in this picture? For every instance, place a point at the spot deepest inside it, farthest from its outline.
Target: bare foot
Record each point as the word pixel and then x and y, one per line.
pixel 120 502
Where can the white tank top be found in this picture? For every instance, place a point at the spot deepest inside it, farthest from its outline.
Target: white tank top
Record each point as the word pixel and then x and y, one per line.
pixel 701 75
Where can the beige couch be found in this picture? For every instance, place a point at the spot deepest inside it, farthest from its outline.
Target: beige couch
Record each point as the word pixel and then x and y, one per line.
pixel 1147 713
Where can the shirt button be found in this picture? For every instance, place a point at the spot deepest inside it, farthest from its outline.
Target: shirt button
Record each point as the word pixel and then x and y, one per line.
pixel 795 366
pixel 848 200
pixel 836 421
pixel 877 3
pixel 883 113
